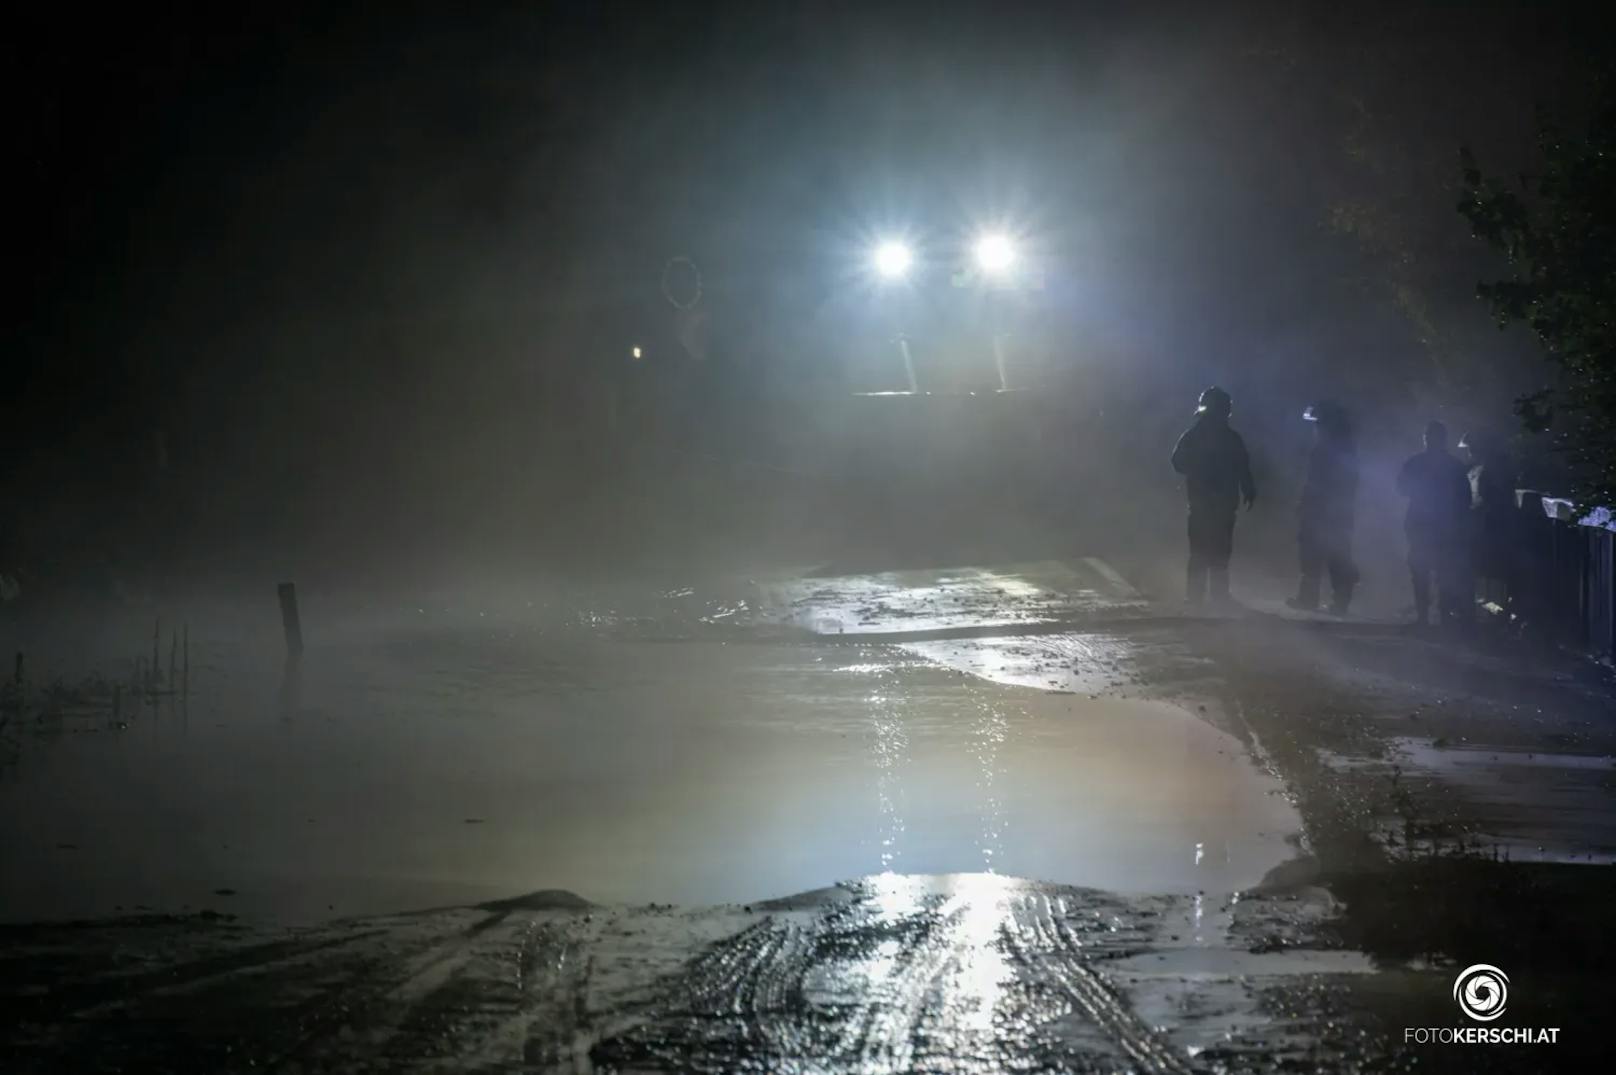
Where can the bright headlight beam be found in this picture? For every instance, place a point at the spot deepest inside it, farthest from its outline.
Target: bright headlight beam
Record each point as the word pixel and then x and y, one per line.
pixel 994 252
pixel 892 259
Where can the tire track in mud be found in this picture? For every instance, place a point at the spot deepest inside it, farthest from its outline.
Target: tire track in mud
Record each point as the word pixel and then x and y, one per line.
pixel 471 1000
pixel 553 972
pixel 764 970
pixel 964 974
pixel 347 1010
pixel 901 1020
pixel 133 1016
pixel 86 1000
pixel 1057 958
pixel 410 992
pixel 872 1003
pixel 399 1013
pixel 721 1012
pixel 942 983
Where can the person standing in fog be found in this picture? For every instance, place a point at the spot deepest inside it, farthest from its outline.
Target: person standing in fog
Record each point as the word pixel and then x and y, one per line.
pixel 1217 477
pixel 1437 486
pixel 1326 513
pixel 1493 515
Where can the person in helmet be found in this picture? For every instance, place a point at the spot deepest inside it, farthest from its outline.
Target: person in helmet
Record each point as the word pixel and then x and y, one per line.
pixel 1217 476
pixel 1437 486
pixel 1493 516
pixel 1327 509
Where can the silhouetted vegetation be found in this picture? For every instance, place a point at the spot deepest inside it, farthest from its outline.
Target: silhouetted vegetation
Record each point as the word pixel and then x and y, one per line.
pixel 1557 229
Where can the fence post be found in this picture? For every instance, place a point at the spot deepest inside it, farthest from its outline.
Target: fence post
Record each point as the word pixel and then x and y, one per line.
pixel 291 624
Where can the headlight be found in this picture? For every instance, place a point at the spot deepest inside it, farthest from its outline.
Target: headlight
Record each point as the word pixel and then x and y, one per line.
pixel 892 260
pixel 994 253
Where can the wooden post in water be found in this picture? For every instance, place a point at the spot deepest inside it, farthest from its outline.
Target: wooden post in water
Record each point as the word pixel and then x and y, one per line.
pixel 185 673
pixel 290 623
pixel 152 673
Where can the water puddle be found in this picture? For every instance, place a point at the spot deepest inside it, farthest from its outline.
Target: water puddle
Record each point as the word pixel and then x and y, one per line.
pixel 1088 662
pixel 426 759
pixel 949 599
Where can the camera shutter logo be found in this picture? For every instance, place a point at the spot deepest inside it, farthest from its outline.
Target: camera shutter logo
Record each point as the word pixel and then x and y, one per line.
pixel 1482 991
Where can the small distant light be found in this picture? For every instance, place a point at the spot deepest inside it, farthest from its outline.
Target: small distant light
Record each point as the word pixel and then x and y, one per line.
pixel 638 354
pixel 892 259
pixel 994 253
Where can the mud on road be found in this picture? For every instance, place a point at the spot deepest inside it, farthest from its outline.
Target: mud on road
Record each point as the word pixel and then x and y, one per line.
pixel 1451 803
pixel 1459 797
pixel 960 973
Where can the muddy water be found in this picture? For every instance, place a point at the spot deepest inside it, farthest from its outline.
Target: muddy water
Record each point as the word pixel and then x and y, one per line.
pixel 435 760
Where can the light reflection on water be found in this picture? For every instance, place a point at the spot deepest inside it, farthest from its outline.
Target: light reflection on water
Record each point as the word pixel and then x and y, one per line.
pixel 891 758
pixel 971 911
pixel 445 762
pixel 987 738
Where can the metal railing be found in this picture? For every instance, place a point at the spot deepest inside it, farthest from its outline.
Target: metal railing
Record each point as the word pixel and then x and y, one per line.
pixel 1566 573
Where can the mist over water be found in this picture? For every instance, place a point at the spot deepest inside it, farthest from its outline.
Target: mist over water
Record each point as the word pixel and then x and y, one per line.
pixel 646 746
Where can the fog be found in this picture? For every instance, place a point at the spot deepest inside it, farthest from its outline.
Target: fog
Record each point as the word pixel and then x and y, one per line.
pixel 616 536
pixel 331 297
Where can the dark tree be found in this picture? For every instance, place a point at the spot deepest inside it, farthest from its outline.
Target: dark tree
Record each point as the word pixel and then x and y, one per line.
pixel 1557 230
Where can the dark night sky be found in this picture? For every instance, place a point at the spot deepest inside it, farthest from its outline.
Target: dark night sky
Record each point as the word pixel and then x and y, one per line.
pixel 249 221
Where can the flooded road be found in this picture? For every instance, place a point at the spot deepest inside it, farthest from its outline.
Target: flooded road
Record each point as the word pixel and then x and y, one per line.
pixel 977 819
pixel 665 756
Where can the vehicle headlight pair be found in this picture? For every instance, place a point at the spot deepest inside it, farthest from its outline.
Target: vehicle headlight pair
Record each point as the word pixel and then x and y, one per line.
pixel 993 253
